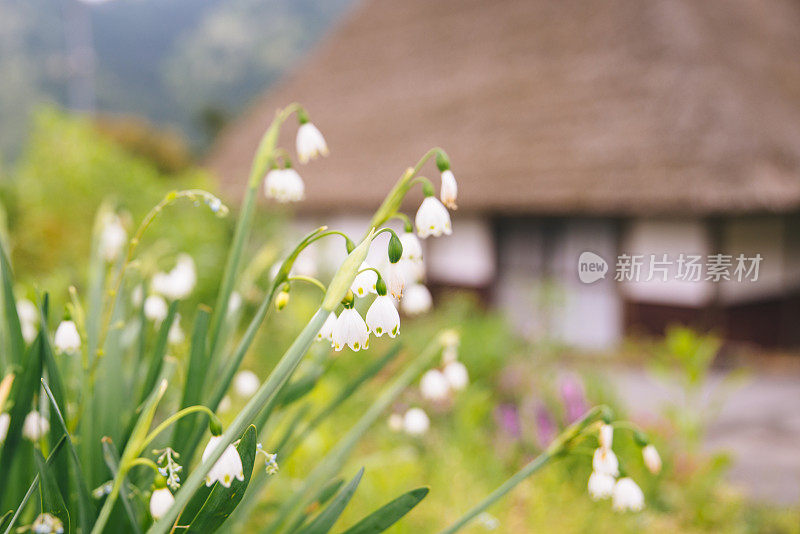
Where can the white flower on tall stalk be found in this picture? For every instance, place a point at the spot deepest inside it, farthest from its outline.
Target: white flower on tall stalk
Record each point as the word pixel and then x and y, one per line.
pixel 175 335
pixel 457 375
pixel 449 190
pixel 47 524
pixel 365 280
pixel 350 330
pixel 382 316
pixel 160 502
pixel 601 486
pixel 417 300
pixel 651 458
pixel 155 308
pixel 416 422
pixel 605 436
pixel 28 319
pixel 112 237
pixel 433 219
pixel 246 383
pixel 5 420
pixel 627 496
pixel 228 467
pixel 35 426
pixel 434 385
pixel 179 282
pixel 67 339
pixel 605 461
pixel 395 422
pixel 310 143
pixel 395 281
pixel 326 332
pixel 284 185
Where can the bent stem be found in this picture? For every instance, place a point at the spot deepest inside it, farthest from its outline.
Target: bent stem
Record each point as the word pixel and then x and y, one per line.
pixel 558 447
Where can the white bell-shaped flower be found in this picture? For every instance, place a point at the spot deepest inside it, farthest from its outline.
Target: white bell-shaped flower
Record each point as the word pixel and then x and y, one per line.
pixel 284 185
pixel 176 335
pixel 605 461
pixel 412 248
pixel 434 386
pixel 27 311
pixel 160 502
pixel 382 317
pixel 326 332
pixel 155 308
pixel 627 496
pixel 364 282
pixel 350 330
pixel 35 426
pixel 67 339
pixel 449 191
pixel 416 422
pixel 432 219
pixel 246 383
pixel 112 237
pixel 5 420
pixel 651 458
pixel 417 300
pixel 601 486
pixel 310 143
pixel 395 280
pixel 228 467
pixel 457 375
pixel 179 282
pixel 605 436
pixel 47 524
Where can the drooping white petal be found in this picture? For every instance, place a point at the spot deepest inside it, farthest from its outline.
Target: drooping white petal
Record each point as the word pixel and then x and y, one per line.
pixel 350 330
pixel 175 335
pixel 5 420
pixel 160 502
pixel 155 308
pixel 652 460
pixel 416 422
pixel 601 486
pixel 326 332
pixel 284 185
pixel 27 311
pixel 310 143
pixel 382 317
pixel 395 281
pixel 457 375
pixel 66 338
pixel 364 282
pixel 627 496
pixel 417 300
pixel 35 426
pixel 434 385
pixel 605 461
pixel 433 219
pixel 449 191
pixel 228 467
pixel 246 383
pixel 412 248
pixel 179 282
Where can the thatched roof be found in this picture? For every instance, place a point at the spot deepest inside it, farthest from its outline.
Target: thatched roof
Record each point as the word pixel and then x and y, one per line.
pixel 566 107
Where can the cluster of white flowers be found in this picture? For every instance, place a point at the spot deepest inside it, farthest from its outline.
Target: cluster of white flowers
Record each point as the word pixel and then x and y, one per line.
pixel 414 422
pixel 603 483
pixel 28 319
pixel 47 524
pixel 439 384
pixel 285 184
pixel 179 282
pixel 34 427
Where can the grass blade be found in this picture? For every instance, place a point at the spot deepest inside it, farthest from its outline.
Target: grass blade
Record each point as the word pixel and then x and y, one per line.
pixel 52 500
pixel 16 344
pixel 195 379
pixel 324 522
pixel 111 457
pixel 388 514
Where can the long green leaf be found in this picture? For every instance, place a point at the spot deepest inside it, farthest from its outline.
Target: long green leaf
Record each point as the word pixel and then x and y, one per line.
pixel 5 518
pixel 222 501
pixel 324 522
pixel 388 514
pixel 323 496
pixel 195 379
pixel 111 457
pixel 16 344
pixel 85 506
pixel 35 484
pixel 52 500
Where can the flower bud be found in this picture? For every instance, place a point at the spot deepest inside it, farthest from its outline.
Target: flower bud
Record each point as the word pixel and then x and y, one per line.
pixel 442 161
pixel 282 300
pixel 380 287
pixel 214 426
pixel 395 249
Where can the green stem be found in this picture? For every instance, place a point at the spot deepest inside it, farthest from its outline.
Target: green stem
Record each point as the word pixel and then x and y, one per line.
pixel 172 419
pixel 147 462
pixel 279 376
pixel 308 280
pixel 407 226
pixel 558 446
